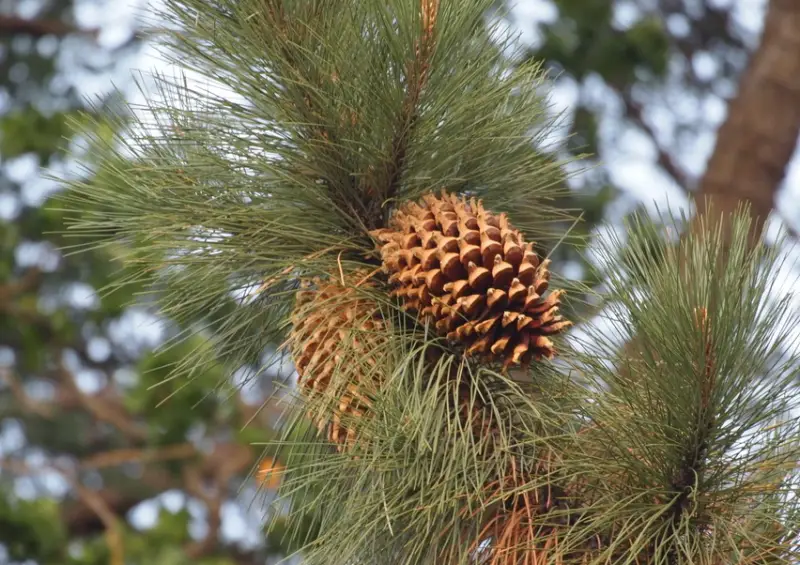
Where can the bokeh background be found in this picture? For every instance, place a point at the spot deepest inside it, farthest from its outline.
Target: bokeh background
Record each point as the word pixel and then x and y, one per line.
pixel 97 465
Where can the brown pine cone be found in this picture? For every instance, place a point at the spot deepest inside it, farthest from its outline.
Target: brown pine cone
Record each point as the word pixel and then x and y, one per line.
pixel 468 272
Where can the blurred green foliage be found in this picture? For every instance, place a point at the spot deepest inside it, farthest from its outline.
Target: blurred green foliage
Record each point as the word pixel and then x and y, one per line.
pixel 30 131
pixel 32 528
pixel 82 379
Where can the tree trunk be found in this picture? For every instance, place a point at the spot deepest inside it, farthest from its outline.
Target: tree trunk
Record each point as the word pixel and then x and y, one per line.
pixel 758 138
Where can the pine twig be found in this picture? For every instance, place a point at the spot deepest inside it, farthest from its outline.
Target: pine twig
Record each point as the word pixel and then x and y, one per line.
pixel 212 499
pixel 417 73
pixel 110 520
pixel 670 165
pixel 635 112
pixel 208 481
pixel 11 290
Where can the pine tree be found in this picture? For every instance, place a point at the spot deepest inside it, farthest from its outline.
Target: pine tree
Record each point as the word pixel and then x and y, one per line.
pixel 375 192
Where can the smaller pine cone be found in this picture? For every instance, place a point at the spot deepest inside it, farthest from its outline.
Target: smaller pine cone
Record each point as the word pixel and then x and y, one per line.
pixel 472 275
pixel 336 329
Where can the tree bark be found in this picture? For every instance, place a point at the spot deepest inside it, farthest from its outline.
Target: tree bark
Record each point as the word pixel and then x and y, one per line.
pixel 758 138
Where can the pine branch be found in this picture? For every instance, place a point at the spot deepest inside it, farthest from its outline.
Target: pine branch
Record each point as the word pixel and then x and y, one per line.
pixel 110 520
pixel 213 502
pixel 342 111
pixel 302 90
pixel 26 283
pixel 209 484
pixel 692 469
pixel 83 521
pixel 119 457
pixel 690 407
pixel 94 502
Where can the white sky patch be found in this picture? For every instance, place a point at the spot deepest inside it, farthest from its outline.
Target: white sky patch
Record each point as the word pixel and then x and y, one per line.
pixel 788 199
pixel 528 14
pixel 606 323
pixel 136 330
pixel 40 254
pixel 98 349
pixel 10 206
pixel 81 296
pixel 90 381
pixel 19 169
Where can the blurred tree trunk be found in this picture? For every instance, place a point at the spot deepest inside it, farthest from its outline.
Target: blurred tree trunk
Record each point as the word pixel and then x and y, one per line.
pixel 758 138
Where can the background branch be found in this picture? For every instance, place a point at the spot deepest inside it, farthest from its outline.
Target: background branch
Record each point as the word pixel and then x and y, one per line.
pixel 102 410
pixel 13 25
pixel 119 457
pixel 18 391
pixel 635 112
pixel 104 512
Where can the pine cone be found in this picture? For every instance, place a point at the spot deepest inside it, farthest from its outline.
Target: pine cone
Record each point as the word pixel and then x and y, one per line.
pixel 335 328
pixel 473 276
